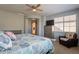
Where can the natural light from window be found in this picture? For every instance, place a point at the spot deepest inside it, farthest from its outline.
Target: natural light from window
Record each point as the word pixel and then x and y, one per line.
pixel 65 23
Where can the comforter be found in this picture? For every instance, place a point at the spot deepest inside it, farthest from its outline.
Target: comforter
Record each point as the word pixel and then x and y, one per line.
pixel 30 44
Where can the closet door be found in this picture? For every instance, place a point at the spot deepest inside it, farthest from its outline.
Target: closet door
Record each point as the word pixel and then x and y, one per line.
pixel 34 27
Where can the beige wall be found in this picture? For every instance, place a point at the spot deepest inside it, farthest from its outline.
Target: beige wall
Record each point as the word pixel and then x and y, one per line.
pixel 11 21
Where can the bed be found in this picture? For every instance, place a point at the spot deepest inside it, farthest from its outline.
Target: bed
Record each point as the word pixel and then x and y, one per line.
pixel 30 44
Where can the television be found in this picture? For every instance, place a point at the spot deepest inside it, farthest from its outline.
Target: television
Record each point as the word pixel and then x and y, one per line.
pixel 49 22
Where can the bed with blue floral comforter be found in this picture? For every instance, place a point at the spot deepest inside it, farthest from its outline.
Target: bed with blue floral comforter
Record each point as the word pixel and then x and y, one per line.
pixel 30 44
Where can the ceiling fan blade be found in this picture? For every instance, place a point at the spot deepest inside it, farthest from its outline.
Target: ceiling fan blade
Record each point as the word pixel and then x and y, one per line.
pixel 33 7
pixel 28 5
pixel 37 6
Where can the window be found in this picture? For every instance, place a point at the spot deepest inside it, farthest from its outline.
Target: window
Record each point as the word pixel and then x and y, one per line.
pixel 66 23
pixel 58 24
pixel 70 23
pixel 58 20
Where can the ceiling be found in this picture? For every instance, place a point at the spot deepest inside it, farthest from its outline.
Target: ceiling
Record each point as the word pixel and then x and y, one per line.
pixel 48 9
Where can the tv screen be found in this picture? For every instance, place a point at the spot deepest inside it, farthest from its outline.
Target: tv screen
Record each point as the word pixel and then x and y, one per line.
pixel 49 22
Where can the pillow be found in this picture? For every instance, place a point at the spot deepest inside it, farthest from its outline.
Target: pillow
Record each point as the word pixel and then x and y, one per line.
pixel 67 35
pixel 5 42
pixel 11 35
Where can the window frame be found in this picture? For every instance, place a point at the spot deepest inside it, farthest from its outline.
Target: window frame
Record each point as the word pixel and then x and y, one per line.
pixel 63 22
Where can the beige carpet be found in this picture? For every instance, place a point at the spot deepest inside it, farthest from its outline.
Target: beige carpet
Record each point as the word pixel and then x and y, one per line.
pixel 60 49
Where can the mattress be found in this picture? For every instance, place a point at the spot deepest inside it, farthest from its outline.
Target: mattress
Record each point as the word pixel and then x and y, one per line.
pixel 30 44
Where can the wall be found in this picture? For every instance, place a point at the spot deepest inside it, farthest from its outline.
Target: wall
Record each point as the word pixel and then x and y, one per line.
pixel 62 14
pixel 26 26
pixel 76 11
pixel 77 25
pixel 43 23
pixel 11 21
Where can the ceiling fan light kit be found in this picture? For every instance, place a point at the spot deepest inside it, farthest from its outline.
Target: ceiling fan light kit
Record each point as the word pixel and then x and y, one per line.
pixel 34 10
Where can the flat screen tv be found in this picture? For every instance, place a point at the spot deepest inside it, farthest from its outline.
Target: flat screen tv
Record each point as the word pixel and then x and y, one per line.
pixel 49 22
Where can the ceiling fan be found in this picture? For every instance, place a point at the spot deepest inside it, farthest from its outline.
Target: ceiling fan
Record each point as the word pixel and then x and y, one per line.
pixel 34 7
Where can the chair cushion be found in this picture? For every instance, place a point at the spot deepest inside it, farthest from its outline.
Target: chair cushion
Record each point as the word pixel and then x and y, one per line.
pixel 64 39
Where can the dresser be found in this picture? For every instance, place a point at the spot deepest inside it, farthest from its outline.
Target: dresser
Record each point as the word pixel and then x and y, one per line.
pixel 49 31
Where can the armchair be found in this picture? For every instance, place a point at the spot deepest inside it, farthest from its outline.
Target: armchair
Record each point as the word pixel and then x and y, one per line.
pixel 69 40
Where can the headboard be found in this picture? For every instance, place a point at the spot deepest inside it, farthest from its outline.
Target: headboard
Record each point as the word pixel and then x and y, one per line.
pixel 14 31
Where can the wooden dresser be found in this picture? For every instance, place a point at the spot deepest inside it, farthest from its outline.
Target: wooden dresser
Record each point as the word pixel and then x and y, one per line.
pixel 49 31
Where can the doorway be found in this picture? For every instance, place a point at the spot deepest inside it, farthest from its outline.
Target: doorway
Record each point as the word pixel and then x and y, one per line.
pixel 32 26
